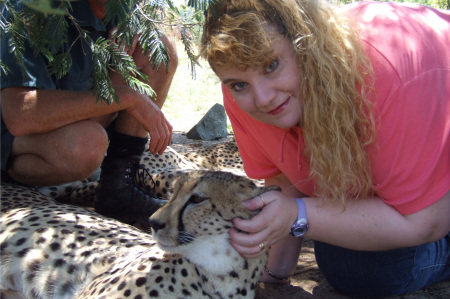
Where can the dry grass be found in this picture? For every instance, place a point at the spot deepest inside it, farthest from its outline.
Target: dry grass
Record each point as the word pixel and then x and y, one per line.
pixel 190 98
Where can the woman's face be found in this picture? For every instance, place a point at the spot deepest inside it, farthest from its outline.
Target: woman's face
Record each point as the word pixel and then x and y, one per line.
pixel 268 93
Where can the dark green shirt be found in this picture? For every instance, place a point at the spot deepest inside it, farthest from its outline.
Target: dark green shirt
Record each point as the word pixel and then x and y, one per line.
pixel 79 76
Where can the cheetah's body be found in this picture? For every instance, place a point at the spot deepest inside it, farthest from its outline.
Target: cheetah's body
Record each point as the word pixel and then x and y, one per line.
pixel 164 169
pixel 51 250
pixel 54 250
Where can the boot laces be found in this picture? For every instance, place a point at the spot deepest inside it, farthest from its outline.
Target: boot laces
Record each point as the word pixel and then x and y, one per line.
pixel 142 179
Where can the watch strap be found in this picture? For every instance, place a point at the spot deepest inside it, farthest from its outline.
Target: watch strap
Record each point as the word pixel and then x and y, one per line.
pixel 300 226
pixel 301 209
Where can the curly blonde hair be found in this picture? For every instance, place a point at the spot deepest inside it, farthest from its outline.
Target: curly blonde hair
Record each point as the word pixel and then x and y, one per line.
pixel 336 81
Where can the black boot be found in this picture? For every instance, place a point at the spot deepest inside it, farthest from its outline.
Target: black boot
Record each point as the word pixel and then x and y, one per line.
pixel 122 193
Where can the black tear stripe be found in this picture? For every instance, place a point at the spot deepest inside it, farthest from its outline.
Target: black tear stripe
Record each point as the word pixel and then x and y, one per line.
pixel 180 215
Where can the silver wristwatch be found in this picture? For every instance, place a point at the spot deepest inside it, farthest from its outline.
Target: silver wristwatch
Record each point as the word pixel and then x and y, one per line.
pixel 300 227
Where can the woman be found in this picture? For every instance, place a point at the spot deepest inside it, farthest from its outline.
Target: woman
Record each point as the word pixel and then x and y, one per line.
pixel 347 110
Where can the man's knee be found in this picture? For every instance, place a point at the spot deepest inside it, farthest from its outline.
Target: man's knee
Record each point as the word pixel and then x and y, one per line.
pixel 145 62
pixel 172 52
pixel 160 77
pixel 91 147
pixel 84 151
pixel 69 153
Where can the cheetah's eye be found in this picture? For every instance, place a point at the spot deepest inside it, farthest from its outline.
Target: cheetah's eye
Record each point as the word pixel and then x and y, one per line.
pixel 197 199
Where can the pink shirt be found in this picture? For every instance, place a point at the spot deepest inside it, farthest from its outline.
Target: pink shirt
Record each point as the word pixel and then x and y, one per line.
pixel 409 46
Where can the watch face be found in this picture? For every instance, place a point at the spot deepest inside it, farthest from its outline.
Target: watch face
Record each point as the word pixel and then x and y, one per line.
pixel 299 231
pixel 299 228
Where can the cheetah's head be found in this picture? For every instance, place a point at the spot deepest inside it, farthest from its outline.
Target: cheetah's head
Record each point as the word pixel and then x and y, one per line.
pixel 196 221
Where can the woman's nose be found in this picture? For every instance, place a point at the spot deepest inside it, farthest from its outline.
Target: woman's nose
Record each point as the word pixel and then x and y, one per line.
pixel 263 93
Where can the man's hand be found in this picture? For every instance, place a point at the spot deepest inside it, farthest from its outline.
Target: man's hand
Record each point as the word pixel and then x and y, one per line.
pixel 143 108
pixel 146 113
pixel 154 122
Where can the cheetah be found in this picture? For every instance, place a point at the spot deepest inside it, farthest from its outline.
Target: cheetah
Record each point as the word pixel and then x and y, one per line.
pixel 54 250
pixel 162 170
pixel 216 157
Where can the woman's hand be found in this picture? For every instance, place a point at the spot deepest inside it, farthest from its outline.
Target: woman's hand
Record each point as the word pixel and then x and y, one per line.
pixel 270 226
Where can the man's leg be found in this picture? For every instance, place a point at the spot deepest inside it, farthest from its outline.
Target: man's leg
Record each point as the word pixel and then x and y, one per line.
pixel 67 154
pixel 120 194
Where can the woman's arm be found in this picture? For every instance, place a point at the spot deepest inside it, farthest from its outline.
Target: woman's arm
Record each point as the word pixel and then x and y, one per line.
pixel 370 224
pixel 283 255
pixel 364 224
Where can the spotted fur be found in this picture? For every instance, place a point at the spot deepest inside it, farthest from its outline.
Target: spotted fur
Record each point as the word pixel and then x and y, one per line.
pixel 54 250
pixel 216 157
pixel 163 168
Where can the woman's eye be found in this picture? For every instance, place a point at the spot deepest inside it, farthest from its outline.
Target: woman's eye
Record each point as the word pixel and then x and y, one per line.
pixel 238 86
pixel 271 66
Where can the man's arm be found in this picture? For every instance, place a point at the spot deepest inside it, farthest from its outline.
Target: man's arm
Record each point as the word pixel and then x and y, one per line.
pixel 30 111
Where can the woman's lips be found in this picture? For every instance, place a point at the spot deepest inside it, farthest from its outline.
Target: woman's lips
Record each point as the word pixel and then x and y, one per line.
pixel 280 108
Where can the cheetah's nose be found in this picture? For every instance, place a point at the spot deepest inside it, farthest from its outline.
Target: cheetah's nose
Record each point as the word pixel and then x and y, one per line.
pixel 155 224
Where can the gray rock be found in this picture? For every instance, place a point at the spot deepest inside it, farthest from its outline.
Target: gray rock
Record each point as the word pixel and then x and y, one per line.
pixel 212 126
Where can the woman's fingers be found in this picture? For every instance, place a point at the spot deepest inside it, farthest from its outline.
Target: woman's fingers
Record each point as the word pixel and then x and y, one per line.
pixel 254 236
pixel 248 245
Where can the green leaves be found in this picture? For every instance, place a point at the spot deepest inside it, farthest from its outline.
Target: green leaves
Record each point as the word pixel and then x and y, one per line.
pixel 59 65
pixel 44 7
pixel 108 57
pixel 101 82
pixel 4 69
pixel 204 4
pixel 17 36
pixel 43 23
pixel 155 48
pixel 200 4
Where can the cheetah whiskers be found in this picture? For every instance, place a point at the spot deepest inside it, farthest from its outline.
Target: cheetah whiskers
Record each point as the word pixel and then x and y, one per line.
pixel 53 250
pixel 185 237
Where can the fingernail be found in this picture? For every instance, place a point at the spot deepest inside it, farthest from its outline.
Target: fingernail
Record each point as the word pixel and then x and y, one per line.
pixel 246 204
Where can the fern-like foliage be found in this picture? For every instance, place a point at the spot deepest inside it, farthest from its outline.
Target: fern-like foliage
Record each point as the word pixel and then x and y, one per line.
pixel 17 35
pixel 109 56
pixel 4 69
pixel 101 83
pixel 43 24
pixel 205 4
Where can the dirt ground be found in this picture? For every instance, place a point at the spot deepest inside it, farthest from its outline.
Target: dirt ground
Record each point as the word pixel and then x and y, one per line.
pixel 307 282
